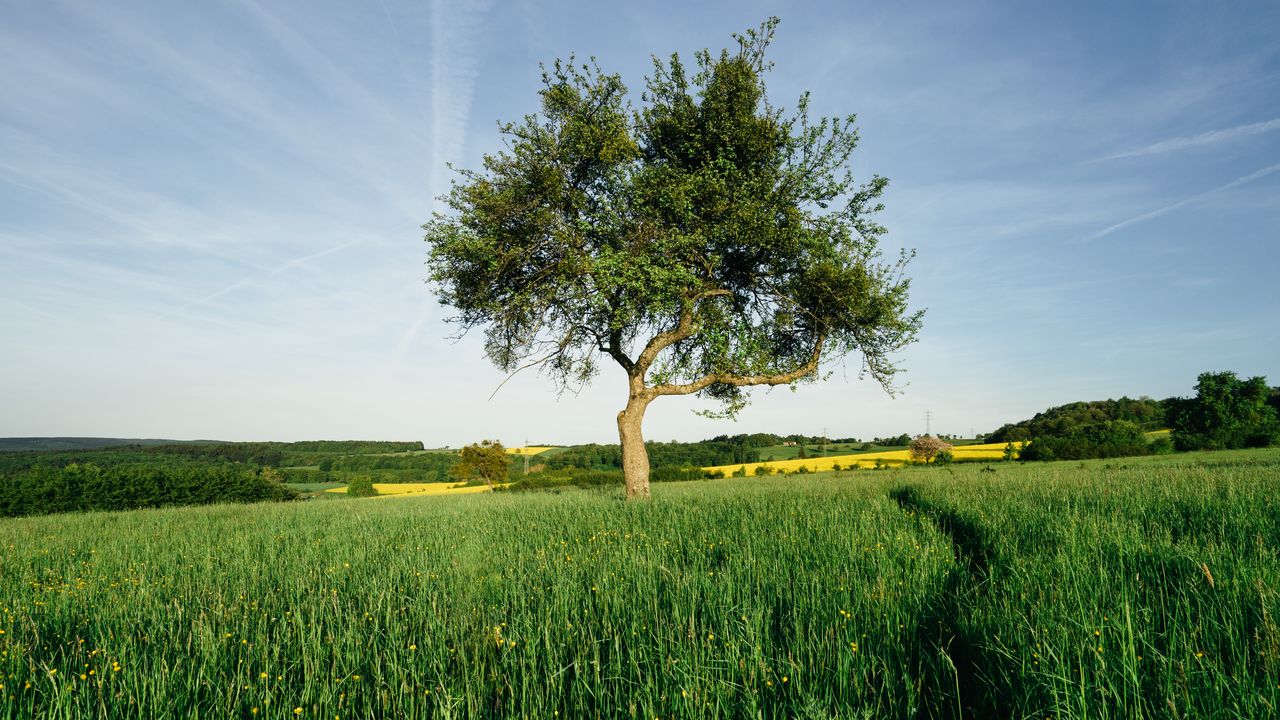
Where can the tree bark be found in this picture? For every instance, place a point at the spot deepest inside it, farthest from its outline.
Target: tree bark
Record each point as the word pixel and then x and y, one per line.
pixel 635 457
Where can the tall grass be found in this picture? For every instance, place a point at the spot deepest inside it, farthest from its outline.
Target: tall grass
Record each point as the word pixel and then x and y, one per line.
pixel 776 599
pixel 877 594
pixel 1118 590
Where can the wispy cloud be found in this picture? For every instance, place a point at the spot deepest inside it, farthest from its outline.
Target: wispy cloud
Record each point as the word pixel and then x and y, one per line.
pixel 1205 138
pixel 1170 208
pixel 454 68
pixel 285 267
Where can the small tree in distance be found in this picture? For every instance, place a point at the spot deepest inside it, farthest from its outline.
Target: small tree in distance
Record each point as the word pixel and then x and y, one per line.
pixel 927 447
pixel 486 459
pixel 361 486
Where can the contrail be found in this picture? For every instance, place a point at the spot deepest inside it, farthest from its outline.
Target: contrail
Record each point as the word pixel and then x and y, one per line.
pixel 281 268
pixel 454 69
pixel 1206 138
pixel 1169 208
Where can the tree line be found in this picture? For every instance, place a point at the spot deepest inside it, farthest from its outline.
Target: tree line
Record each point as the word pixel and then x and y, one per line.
pixel 1227 412
pixel 661 455
pixel 45 488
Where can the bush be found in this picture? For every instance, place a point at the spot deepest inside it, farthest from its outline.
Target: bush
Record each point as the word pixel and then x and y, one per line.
pixel 361 486
pixel 156 480
pixel 1226 413
pixel 676 473
pixel 762 470
pixel 1117 438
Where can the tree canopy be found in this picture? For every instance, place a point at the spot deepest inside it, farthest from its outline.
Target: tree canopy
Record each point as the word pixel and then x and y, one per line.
pixel 705 241
pixel 486 459
pixel 1227 412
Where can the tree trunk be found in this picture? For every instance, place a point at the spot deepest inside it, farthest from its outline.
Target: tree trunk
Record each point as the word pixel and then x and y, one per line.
pixel 635 457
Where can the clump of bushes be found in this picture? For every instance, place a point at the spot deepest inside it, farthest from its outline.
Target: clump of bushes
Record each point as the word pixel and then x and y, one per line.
pixel 75 487
pixel 1116 438
pixel 361 486
pixel 1227 413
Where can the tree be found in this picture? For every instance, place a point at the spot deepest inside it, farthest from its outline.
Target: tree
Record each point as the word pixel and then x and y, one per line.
pixel 1227 412
pixel 361 486
pixel 926 447
pixel 486 459
pixel 1113 438
pixel 705 242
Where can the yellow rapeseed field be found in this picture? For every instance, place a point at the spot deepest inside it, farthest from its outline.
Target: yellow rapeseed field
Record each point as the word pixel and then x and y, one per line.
pixel 436 488
pixel 891 458
pixel 528 450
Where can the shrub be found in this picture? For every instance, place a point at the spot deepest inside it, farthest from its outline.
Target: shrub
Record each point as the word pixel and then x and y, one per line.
pixel 1118 438
pixel 1226 413
pixel 361 486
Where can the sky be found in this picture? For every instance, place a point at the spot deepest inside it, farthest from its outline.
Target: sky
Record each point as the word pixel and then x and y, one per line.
pixel 210 212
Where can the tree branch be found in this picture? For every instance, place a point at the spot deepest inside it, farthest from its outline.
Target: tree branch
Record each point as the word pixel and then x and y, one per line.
pixel 682 330
pixel 615 350
pixel 560 348
pixel 786 378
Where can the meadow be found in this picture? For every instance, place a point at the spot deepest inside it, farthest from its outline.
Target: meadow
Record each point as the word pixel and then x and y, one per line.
pixel 1107 589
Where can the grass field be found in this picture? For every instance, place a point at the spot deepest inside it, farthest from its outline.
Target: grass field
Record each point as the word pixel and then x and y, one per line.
pixel 1108 589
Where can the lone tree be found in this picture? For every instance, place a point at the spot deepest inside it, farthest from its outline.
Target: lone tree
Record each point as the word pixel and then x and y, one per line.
pixel 705 241
pixel 487 459
pixel 927 447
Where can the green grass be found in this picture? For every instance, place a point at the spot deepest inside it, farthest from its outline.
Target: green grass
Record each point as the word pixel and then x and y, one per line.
pixel 939 592
pixel 1123 589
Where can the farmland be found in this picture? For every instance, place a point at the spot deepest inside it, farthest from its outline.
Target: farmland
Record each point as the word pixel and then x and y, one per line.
pixel 887 458
pixel 440 488
pixel 1096 589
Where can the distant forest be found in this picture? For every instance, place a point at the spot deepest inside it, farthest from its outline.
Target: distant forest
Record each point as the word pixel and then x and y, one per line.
pixel 115 477
pixel 1144 412
pixel 1227 412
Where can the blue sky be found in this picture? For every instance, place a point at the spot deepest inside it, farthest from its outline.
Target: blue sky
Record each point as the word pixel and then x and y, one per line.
pixel 209 212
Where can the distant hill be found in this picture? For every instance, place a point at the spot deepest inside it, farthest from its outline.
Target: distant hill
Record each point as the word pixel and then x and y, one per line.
pixel 20 444
pixel 1144 412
